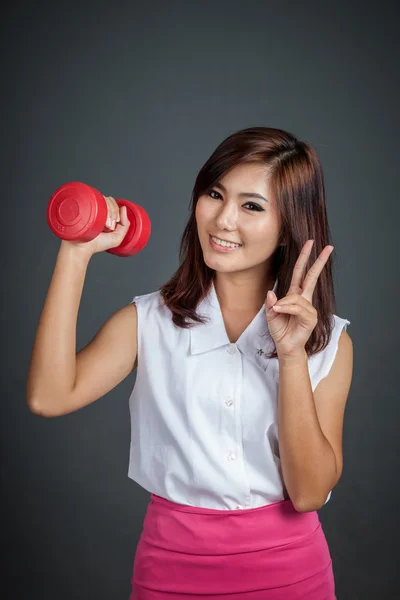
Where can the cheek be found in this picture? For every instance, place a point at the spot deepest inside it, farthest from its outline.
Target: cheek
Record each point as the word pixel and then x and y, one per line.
pixel 199 219
pixel 262 234
pixel 201 213
pixel 256 229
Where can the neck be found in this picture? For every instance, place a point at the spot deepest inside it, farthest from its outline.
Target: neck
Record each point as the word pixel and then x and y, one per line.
pixel 241 294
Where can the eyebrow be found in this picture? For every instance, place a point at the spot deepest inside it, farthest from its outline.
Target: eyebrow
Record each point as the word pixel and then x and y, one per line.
pixel 243 194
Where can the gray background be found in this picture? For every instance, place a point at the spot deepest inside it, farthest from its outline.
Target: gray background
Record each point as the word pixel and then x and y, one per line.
pixel 132 98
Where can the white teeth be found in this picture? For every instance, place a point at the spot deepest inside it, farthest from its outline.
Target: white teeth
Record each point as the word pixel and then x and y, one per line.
pixel 226 244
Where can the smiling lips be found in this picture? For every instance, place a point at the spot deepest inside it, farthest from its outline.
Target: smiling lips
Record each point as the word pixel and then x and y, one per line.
pixel 222 246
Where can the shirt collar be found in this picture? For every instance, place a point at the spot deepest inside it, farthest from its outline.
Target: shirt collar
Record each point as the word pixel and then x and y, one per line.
pixel 255 342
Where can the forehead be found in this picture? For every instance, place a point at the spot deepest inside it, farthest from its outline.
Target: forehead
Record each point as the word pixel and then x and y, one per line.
pixel 249 177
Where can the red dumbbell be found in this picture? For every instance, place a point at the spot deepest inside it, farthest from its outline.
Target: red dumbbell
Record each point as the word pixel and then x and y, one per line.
pixel 77 211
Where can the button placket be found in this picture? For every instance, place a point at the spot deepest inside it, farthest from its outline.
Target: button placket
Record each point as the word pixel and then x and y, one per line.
pixel 231 455
pixel 229 401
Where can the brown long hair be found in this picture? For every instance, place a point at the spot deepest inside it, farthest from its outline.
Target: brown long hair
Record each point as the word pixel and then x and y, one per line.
pixel 296 180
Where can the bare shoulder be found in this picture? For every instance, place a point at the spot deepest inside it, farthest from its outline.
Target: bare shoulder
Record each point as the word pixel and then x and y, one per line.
pixel 342 368
pixel 340 374
pixel 345 344
pixel 122 321
pixel 131 310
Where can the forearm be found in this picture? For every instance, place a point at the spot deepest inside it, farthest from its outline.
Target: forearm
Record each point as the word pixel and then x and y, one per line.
pixel 307 458
pixel 52 368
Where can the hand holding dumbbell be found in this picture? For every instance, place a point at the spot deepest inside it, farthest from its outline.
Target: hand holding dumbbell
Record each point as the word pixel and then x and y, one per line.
pixel 78 212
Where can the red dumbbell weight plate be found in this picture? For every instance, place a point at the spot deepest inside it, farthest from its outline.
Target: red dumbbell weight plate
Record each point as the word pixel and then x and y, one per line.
pixel 77 211
pixel 138 233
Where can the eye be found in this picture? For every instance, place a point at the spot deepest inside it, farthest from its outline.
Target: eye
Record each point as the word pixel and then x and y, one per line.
pixel 257 206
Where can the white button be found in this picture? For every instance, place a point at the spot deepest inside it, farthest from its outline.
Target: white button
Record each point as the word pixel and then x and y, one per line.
pixel 231 456
pixel 229 402
pixel 238 506
pixel 232 349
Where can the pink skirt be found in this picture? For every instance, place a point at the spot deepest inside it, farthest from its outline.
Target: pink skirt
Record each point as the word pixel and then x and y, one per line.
pixel 268 553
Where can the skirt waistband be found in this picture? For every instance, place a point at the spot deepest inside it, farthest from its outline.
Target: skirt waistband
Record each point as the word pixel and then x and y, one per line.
pixel 213 531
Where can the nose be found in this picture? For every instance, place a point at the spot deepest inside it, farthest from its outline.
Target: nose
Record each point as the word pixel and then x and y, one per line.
pixel 227 218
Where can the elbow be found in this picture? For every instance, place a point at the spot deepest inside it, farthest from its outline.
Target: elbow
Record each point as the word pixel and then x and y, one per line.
pixel 308 504
pixel 37 408
pixel 33 405
pixel 307 507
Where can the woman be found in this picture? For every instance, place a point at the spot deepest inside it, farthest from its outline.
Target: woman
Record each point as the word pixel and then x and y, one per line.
pixel 243 372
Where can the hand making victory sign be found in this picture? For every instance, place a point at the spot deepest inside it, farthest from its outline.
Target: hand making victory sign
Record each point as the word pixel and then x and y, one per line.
pixel 292 319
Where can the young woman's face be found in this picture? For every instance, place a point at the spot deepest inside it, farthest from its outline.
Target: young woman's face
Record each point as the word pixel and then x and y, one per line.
pixel 252 222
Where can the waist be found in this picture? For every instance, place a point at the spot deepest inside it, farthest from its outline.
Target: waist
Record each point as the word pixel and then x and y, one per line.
pixel 213 531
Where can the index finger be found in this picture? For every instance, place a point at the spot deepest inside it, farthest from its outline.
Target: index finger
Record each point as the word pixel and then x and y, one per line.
pixel 301 263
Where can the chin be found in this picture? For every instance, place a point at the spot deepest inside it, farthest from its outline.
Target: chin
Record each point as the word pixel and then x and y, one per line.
pixel 221 265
